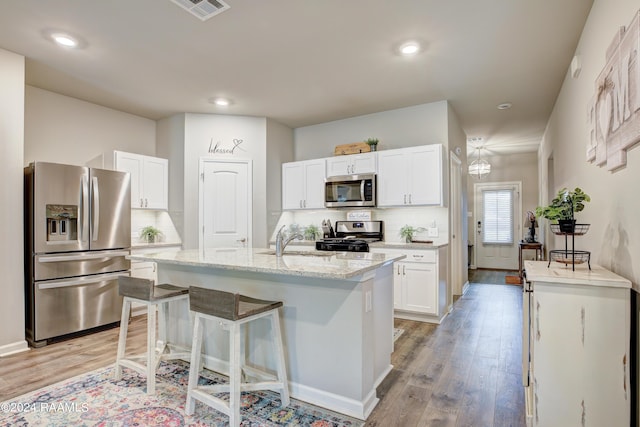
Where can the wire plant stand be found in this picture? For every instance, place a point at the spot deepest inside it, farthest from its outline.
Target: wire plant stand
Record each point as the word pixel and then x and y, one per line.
pixel 573 256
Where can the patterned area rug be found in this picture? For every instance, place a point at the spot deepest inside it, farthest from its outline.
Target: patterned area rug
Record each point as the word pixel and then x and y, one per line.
pixel 396 333
pixel 96 399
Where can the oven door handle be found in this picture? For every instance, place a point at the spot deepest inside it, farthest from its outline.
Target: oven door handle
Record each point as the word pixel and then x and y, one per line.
pixel 60 258
pixel 81 281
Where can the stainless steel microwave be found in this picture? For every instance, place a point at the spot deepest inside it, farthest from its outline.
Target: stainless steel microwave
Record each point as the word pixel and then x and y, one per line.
pixel 350 191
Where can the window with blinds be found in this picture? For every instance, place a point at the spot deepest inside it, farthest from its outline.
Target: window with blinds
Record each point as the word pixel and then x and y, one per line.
pixel 498 217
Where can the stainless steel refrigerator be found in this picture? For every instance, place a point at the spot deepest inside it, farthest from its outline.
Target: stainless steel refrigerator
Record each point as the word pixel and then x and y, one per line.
pixel 77 237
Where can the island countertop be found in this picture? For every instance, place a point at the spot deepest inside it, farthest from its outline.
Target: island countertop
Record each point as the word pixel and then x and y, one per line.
pixel 327 265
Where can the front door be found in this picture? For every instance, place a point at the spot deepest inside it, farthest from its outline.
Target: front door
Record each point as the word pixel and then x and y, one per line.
pixel 497 225
pixel 225 203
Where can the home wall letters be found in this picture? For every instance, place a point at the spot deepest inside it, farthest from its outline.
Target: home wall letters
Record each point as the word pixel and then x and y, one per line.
pixel 614 111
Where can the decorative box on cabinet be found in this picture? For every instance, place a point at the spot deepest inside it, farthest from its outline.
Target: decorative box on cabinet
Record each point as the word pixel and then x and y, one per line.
pixel 303 184
pixel 420 284
pixel 352 164
pixel 411 176
pixel 578 329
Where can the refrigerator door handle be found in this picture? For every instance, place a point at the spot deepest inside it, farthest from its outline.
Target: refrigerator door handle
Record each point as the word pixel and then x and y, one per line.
pixel 96 209
pixel 83 281
pixel 99 255
pixel 84 202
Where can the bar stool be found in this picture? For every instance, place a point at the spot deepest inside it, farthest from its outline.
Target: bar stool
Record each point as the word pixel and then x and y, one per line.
pixel 231 311
pixel 143 291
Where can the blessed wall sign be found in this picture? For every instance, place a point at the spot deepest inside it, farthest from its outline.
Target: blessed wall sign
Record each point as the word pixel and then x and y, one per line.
pixel 218 147
pixel 614 111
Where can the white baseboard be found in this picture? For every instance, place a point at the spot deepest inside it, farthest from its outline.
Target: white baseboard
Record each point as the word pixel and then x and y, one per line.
pixel 324 399
pixel 13 348
pixel 465 288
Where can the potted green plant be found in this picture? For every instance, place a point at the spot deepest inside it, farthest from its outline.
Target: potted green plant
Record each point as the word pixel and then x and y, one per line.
pixel 408 231
pixel 311 232
pixel 373 143
pixel 149 234
pixel 563 208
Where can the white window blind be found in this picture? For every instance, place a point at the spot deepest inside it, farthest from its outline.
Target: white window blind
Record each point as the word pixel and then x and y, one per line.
pixel 498 216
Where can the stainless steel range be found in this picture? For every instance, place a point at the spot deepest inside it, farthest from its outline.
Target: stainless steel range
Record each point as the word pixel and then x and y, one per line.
pixel 352 236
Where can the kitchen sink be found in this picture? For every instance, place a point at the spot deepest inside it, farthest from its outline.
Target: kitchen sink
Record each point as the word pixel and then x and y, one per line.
pixel 303 253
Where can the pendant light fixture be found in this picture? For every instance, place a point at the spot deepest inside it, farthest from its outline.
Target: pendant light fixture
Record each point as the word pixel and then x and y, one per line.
pixel 479 168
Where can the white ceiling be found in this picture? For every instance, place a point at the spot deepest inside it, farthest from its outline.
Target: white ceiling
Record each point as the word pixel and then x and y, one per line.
pixel 305 62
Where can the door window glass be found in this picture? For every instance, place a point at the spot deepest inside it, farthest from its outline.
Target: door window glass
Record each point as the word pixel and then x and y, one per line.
pixel 498 216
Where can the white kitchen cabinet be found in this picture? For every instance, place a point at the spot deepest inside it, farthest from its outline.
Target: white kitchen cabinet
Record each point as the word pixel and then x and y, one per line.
pixel 578 328
pixel 411 176
pixel 352 164
pixel 420 284
pixel 149 179
pixel 303 184
pixel 146 270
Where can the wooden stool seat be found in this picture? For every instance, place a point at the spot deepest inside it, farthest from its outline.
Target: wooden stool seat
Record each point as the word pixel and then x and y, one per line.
pixel 232 310
pixel 143 291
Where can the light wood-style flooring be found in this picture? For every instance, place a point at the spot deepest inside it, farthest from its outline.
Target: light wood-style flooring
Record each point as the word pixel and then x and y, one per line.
pixel 464 372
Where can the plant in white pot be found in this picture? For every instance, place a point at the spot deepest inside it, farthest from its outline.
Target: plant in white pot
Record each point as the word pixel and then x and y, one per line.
pixel 408 231
pixel 150 234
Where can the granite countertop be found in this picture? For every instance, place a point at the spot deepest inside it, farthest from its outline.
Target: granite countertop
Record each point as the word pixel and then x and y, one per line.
pixel 326 265
pixel 141 245
pixel 537 271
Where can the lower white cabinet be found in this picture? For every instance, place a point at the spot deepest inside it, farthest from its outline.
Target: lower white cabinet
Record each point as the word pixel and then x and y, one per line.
pixel 420 284
pixel 578 333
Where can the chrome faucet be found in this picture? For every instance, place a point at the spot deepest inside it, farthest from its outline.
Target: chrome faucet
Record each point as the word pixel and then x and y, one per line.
pixel 282 243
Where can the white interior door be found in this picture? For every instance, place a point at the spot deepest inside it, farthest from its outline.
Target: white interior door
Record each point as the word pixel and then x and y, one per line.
pixel 225 203
pixel 498 227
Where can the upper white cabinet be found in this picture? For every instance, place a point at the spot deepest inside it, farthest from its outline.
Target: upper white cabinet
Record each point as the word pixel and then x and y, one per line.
pixel 411 176
pixel 303 184
pixel 352 164
pixel 149 179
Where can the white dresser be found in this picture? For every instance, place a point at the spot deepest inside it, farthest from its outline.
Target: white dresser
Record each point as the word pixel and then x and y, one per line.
pixel 576 332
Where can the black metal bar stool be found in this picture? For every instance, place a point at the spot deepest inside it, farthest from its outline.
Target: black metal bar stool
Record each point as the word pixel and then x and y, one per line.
pixel 159 297
pixel 231 311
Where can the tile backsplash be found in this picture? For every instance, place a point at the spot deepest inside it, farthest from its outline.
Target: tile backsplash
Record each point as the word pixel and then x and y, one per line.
pixel 159 219
pixel 394 219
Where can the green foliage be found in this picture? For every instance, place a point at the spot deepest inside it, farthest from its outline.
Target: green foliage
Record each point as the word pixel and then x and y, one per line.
pixel 372 141
pixel 564 205
pixel 149 233
pixel 408 231
pixel 311 232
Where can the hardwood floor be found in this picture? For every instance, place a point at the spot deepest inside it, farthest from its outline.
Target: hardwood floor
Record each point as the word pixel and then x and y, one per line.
pixel 464 372
pixel 27 371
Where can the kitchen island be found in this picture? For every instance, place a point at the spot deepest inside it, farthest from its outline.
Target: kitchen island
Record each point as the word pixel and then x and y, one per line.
pixel 337 319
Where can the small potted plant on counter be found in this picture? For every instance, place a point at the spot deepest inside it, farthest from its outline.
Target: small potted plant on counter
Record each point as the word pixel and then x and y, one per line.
pixel 373 143
pixel 563 208
pixel 408 231
pixel 149 234
pixel 311 232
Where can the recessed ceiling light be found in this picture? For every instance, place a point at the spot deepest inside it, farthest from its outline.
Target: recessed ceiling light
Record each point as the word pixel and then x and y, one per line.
pixel 64 40
pixel 220 102
pixel 504 106
pixel 409 48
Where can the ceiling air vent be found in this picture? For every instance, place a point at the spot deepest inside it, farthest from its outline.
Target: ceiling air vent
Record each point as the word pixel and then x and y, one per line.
pixel 203 9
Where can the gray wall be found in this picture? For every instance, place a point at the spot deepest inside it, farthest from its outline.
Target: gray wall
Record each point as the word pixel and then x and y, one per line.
pixel 614 235
pixel 61 129
pixel 405 127
pixel 11 212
